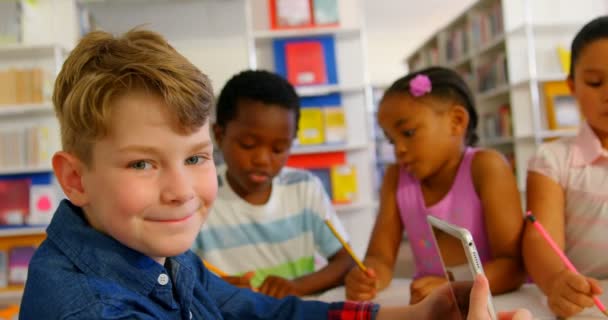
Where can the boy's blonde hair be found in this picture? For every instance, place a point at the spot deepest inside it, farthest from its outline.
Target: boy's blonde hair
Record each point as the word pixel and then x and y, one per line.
pixel 103 67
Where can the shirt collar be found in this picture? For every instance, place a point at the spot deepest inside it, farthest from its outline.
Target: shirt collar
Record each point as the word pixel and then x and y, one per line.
pixel 587 147
pixel 96 253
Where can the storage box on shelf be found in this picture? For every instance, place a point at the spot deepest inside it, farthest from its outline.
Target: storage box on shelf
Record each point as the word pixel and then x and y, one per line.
pixel 511 53
pixel 340 72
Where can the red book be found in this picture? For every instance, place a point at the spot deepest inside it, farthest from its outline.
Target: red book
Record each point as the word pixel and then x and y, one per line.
pixel 317 160
pixel 305 63
pixel 14 201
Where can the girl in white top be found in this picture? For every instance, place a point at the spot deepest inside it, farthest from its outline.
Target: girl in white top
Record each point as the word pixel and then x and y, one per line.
pixel 567 188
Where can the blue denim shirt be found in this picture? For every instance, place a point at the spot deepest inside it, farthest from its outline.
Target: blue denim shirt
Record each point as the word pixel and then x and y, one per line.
pixel 80 273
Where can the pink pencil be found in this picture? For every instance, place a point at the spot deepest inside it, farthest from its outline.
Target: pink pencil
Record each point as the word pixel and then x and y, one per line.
pixel 561 255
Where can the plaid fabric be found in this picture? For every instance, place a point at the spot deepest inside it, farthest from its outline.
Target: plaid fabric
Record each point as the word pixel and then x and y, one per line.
pixel 350 310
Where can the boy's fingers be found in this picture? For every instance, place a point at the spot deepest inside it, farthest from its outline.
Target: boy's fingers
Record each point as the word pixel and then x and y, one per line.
pixel 478 303
pixel 521 314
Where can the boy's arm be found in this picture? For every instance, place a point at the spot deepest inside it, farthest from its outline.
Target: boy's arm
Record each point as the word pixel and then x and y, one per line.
pixel 332 275
pixel 500 199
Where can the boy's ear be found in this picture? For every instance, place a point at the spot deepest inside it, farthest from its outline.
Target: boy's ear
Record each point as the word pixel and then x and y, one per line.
pixel 570 83
pixel 459 120
pixel 68 170
pixel 218 133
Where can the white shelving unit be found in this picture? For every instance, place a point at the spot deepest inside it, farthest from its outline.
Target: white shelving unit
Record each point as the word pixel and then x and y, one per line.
pixel 48 32
pixel 530 32
pixel 349 38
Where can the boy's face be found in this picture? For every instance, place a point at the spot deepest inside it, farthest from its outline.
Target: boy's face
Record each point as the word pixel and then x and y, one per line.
pixel 255 146
pixel 149 187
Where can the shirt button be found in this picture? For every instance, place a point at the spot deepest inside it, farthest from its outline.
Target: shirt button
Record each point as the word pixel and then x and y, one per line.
pixel 163 279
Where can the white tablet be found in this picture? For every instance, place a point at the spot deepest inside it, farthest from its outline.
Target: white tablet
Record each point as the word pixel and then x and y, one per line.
pixel 459 256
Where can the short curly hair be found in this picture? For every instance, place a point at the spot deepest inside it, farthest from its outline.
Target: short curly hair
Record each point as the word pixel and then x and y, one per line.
pixel 102 68
pixel 257 85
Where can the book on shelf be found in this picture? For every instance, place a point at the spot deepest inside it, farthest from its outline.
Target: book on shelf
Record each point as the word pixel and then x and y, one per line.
pixel 322 120
pixel 18 260
pixel 498 124
pixel 29 145
pixel 561 108
pixel 3 268
pixel 485 25
pixel 316 160
pixel 290 13
pixel 14 201
pixel 21 86
pixel 335 125
pixel 343 183
pixel 10 22
pixel 306 61
pixel 325 12
pixel 492 73
pixel 43 202
pixel 311 130
pixel 457 44
pixel 564 56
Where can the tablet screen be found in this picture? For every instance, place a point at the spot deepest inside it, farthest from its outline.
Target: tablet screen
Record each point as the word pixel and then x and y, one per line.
pixel 456 268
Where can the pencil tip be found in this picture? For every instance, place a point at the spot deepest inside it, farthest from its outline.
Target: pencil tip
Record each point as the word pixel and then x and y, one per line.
pixel 605 313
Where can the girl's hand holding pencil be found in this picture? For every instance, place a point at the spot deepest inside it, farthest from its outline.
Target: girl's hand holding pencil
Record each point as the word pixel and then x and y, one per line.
pixel 361 285
pixel 571 292
pixel 361 282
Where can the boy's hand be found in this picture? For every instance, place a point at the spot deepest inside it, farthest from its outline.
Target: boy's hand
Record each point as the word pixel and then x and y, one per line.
pixel 422 287
pixel 478 304
pixel 361 286
pixel 471 303
pixel 278 287
pixel 571 293
pixel 243 281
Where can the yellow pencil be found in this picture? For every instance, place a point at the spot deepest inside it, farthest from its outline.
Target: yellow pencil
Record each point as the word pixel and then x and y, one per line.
pixel 345 245
pixel 214 269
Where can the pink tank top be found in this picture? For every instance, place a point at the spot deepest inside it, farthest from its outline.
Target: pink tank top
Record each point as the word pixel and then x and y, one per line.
pixel 460 206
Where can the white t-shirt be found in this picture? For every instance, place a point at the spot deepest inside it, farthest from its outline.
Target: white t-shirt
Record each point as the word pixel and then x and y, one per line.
pixel 280 237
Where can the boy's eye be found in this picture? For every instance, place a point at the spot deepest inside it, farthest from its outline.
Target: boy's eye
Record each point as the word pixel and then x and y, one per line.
pixel 247 145
pixel 594 84
pixel 279 150
pixel 408 133
pixel 140 165
pixel 195 160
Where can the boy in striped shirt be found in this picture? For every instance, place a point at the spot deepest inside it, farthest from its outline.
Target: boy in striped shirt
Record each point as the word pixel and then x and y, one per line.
pixel 266 224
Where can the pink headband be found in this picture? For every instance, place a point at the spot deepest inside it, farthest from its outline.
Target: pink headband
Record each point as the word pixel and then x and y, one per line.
pixel 420 85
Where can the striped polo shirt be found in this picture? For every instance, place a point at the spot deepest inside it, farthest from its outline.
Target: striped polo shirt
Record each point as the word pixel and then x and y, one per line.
pixel 580 166
pixel 280 237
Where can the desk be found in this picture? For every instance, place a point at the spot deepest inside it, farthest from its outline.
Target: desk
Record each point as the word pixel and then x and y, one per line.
pixel 528 296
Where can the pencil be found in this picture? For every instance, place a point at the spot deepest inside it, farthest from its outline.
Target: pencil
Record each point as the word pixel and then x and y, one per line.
pixel 561 255
pixel 214 269
pixel 345 245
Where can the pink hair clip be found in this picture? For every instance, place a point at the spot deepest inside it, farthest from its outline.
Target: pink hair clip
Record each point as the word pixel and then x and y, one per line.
pixel 420 85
